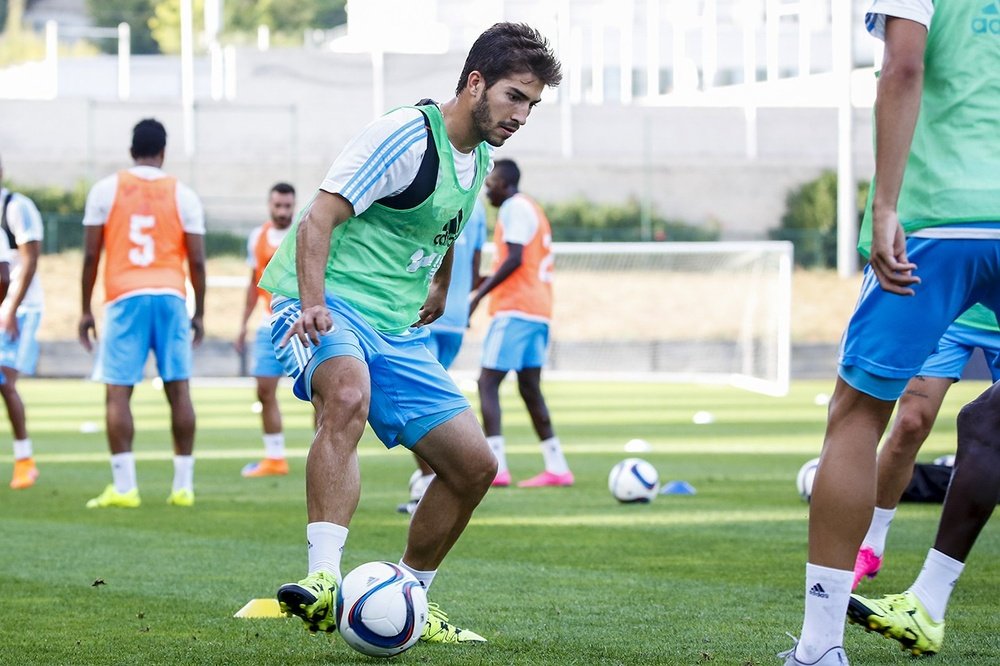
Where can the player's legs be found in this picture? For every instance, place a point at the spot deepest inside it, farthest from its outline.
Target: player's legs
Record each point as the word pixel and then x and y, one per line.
pixel 464 467
pixel 270 414
pixel 267 371
pixel 118 418
pixel 975 482
pixel 12 400
pixel 489 400
pixel 340 395
pixel 529 385
pixel 182 417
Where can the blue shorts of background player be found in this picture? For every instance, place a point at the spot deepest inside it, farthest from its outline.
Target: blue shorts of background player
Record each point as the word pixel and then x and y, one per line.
pixel 956 348
pixel 513 343
pixel 136 325
pixel 411 393
pixel 265 361
pixel 444 346
pixel 22 354
pixel 890 337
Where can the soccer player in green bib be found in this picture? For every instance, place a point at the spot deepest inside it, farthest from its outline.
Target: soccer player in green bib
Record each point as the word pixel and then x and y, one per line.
pixel 363 272
pixel 934 225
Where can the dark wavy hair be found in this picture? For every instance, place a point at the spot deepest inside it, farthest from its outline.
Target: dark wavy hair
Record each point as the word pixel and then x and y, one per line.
pixel 509 48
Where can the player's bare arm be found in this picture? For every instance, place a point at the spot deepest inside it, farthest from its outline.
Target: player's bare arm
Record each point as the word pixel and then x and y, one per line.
pixel 312 251
pixel 515 254
pixel 29 253
pixel 437 296
pixel 250 305
pixel 900 87
pixel 195 244
pixel 93 243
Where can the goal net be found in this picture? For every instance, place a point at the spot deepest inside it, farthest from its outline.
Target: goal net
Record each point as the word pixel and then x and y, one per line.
pixel 679 312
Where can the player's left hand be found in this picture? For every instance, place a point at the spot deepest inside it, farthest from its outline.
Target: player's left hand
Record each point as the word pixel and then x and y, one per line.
pixel 10 328
pixel 432 308
pixel 198 327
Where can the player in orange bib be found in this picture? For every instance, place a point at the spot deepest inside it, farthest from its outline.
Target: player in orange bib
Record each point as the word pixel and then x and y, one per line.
pixel 149 226
pixel 521 305
pixel 261 246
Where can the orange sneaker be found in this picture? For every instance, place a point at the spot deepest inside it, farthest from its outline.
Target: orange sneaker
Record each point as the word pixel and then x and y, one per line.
pixel 266 467
pixel 25 474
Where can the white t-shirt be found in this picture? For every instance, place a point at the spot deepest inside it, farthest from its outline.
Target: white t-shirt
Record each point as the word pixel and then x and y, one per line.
pixel 102 197
pixel 914 10
pixel 25 222
pixel 384 159
pixel 519 219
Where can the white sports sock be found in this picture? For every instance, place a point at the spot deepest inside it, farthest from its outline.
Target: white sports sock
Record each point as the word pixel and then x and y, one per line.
pixel 123 471
pixel 425 577
pixel 879 530
pixel 555 461
pixel 183 473
pixel 827 593
pixel 22 449
pixel 936 581
pixel 496 446
pixel 326 545
pixel 274 445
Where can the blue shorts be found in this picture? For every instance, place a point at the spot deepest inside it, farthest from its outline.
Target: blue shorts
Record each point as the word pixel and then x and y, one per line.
pixel 411 393
pixel 890 337
pixel 513 343
pixel 22 354
pixel 955 349
pixel 136 325
pixel 444 346
pixel 265 361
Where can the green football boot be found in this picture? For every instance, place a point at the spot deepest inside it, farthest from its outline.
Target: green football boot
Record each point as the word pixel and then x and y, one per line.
pixel 899 616
pixel 311 599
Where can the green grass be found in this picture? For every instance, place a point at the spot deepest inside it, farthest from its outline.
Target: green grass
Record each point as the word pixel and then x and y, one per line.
pixel 550 576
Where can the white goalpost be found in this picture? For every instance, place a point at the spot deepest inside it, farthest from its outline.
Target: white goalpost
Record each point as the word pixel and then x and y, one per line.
pixel 707 313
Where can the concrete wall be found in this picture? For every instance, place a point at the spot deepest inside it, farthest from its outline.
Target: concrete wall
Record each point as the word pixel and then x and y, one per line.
pixel 296 109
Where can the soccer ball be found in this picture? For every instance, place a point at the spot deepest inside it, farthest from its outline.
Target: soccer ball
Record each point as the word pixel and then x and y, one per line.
pixel 381 609
pixel 805 477
pixel 634 480
pixel 946 461
pixel 418 484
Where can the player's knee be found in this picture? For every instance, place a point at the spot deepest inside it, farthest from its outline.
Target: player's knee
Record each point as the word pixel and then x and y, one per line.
pixel 911 428
pixel 344 400
pixel 976 431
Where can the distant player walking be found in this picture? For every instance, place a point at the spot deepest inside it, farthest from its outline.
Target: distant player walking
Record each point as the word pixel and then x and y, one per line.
pixel 261 246
pixel 520 290
pixel 20 315
pixel 149 226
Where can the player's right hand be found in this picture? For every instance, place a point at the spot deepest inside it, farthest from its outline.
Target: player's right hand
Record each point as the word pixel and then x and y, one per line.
pixel 314 322
pixel 240 343
pixel 888 254
pixel 86 329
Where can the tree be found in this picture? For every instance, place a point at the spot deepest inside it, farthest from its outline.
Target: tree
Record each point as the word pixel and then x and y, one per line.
pixel 137 13
pixel 15 16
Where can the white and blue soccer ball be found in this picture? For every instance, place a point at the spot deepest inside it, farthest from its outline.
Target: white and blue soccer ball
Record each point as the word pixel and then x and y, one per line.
pixel 806 476
pixel 634 480
pixel 381 609
pixel 418 484
pixel 945 461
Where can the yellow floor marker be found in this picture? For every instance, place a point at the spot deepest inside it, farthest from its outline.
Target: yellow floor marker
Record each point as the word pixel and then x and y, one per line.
pixel 260 608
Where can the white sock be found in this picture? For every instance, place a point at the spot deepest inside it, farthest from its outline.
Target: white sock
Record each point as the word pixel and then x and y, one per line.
pixel 555 461
pixel 827 593
pixel 22 449
pixel 425 577
pixel 936 581
pixel 326 545
pixel 496 446
pixel 879 530
pixel 274 445
pixel 183 473
pixel 123 471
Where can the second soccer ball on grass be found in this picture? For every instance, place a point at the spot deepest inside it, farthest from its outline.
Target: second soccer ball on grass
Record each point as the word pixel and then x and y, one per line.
pixel 634 480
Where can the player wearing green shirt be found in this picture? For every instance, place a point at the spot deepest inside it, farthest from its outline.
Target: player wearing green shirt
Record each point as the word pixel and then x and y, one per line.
pixel 363 272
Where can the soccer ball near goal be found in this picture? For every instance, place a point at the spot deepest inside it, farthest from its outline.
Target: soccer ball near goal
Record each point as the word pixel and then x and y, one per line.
pixel 634 480
pixel 804 479
pixel 381 609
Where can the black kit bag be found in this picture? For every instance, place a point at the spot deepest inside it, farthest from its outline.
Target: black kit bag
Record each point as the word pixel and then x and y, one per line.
pixel 929 483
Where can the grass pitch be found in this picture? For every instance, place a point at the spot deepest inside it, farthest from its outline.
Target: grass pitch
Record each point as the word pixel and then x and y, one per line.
pixel 550 576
